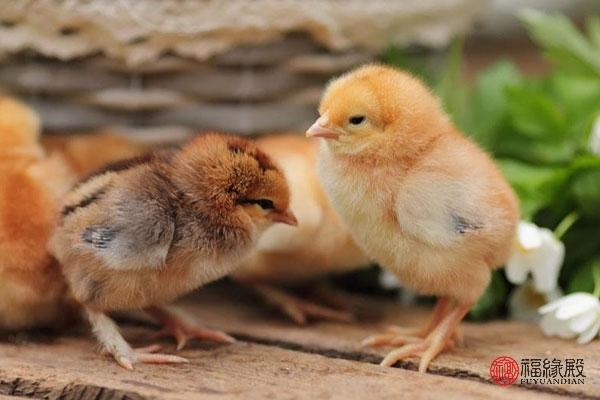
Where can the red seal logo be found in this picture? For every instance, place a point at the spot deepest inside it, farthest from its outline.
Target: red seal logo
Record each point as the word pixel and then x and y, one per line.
pixel 504 371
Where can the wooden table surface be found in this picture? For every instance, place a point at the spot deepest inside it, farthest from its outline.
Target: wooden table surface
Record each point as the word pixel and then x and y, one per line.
pixel 275 359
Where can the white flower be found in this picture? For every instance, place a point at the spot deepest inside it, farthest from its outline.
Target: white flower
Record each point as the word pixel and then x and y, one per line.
pixel 525 301
pixel 595 137
pixel 577 314
pixel 536 250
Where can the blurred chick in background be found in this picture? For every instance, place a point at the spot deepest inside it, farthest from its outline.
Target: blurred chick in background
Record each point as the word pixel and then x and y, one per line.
pixel 144 231
pixel 284 256
pixel 419 197
pixel 33 293
pixel 88 152
pixel 320 245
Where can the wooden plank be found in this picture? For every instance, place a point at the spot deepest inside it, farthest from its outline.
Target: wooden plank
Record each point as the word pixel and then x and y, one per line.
pixel 67 368
pixel 233 310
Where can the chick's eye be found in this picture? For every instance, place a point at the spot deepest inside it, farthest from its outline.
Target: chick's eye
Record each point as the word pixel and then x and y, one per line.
pixel 265 204
pixel 356 119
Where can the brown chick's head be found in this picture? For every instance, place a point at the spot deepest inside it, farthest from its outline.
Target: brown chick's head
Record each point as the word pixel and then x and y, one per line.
pixel 366 110
pixel 240 177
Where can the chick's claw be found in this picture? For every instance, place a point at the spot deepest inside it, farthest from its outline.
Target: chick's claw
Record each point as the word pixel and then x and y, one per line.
pixel 398 335
pixel 182 330
pixel 146 355
pixel 424 348
pixel 440 339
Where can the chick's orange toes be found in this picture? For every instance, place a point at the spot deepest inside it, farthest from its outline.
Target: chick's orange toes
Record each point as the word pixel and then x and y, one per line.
pixel 175 326
pixel 440 339
pixel 397 335
pixel 147 355
pixel 426 348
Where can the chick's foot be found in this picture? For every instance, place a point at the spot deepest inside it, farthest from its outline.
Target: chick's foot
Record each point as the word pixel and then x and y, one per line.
pixel 439 339
pixel 333 296
pixel 113 343
pixel 397 335
pixel 182 330
pixel 297 308
pixel 145 355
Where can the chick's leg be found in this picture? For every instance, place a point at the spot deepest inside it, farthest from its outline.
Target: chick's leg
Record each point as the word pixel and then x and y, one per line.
pixel 428 348
pixel 107 333
pixel 397 335
pixel 334 297
pixel 182 330
pixel 298 309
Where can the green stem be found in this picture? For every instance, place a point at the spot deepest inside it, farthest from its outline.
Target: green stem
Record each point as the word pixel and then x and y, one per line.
pixel 566 224
pixel 596 275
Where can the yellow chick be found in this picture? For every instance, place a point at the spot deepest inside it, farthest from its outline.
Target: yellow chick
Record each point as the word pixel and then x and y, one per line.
pixel 33 293
pixel 419 197
pixel 86 153
pixel 320 245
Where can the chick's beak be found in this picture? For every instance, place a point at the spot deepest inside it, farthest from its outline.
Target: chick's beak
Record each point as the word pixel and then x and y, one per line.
pixel 285 217
pixel 320 129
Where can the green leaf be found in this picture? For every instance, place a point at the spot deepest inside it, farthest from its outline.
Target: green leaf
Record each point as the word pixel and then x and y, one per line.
pixel 586 189
pixel 533 113
pixel 536 186
pixel 582 243
pixel 583 280
pixel 536 151
pixel 489 102
pixel 492 302
pixel 450 88
pixel 585 162
pixel 403 59
pixel 578 95
pixel 593 29
pixel 562 42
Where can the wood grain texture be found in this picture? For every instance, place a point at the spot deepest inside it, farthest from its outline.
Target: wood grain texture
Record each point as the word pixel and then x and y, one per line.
pixel 240 316
pixel 67 368
pixel 278 360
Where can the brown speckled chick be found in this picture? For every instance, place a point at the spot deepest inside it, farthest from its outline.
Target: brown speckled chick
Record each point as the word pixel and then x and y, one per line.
pixel 145 231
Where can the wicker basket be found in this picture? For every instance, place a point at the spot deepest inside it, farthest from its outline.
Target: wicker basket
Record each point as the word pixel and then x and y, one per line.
pixel 246 66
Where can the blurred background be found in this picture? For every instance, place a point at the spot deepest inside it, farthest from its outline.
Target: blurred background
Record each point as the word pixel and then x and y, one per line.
pixel 520 77
pixel 245 66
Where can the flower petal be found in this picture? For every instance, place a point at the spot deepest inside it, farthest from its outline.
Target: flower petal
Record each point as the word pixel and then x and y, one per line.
pixel 551 307
pixel 517 268
pixel 577 304
pixel 528 235
pixel 591 333
pixel 554 327
pixel 524 302
pixel 581 323
pixel 566 301
pixel 547 261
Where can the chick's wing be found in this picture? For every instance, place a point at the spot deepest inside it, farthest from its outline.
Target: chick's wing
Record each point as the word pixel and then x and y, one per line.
pixel 125 226
pixel 436 210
